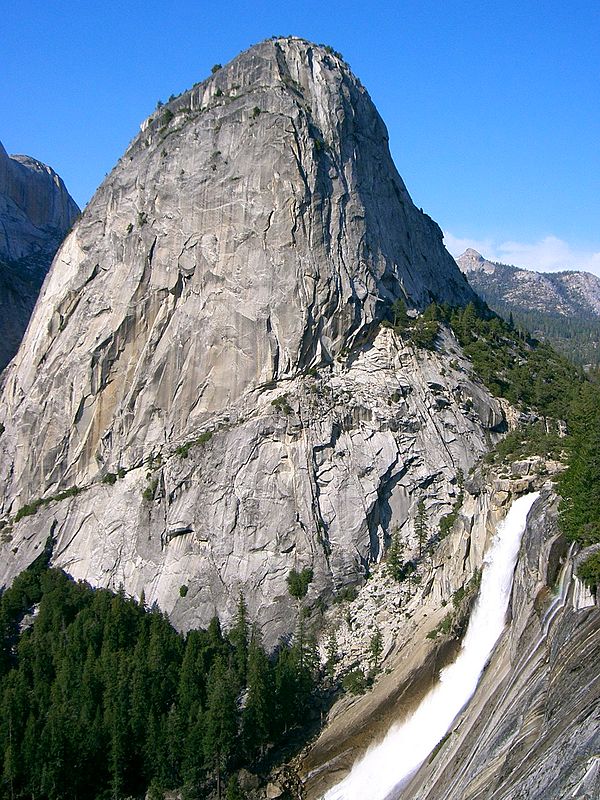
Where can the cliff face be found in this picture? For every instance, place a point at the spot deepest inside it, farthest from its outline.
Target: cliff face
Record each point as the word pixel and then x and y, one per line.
pixel 36 211
pixel 531 730
pixel 209 334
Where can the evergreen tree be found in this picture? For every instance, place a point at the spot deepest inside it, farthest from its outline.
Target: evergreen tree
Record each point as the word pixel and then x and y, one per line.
pixel 395 556
pixel 221 719
pixel 259 711
pixel 375 650
pixel 238 636
pixel 421 530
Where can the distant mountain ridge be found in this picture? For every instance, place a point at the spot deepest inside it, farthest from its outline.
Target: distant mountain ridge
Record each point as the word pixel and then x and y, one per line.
pixel 36 211
pixel 562 307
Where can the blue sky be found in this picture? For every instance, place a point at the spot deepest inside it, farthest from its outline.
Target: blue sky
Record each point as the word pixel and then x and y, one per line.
pixel 493 108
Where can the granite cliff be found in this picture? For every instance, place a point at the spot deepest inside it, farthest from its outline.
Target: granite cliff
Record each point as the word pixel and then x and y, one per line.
pixel 36 211
pixel 208 397
pixel 205 396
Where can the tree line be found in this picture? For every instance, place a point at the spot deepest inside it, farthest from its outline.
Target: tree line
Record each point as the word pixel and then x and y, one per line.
pixel 102 698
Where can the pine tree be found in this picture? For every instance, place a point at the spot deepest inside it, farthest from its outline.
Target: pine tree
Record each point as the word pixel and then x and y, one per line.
pixel 257 718
pixel 395 556
pixel 238 636
pixel 221 719
pixel 421 525
pixel 375 650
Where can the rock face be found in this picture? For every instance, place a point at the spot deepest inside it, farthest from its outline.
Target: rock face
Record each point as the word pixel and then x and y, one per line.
pixel 205 364
pixel 532 728
pixel 36 211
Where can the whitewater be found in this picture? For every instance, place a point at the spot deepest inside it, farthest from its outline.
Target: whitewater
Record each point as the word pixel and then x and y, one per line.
pixel 388 765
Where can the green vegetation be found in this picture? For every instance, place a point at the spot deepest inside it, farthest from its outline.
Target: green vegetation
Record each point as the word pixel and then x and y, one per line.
pixel 255 112
pixel 456 620
pixel 281 404
pixel 448 520
pixel 109 478
pixel 421 331
pixel 421 529
pixel 216 68
pixel 532 440
pixel 355 682
pixel 298 582
pixel 444 627
pixel 395 557
pixel 32 508
pixel 184 449
pixel 375 650
pixel 101 698
pixel 346 595
pixel 183 590
pixel 528 373
pixel 580 483
pixel 589 571
pixel 166 117
pixel 150 490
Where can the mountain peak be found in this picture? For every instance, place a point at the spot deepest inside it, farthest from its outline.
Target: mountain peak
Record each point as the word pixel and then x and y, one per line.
pixel 256 232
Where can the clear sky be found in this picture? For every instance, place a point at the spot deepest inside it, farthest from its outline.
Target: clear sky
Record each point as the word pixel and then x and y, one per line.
pixel 493 108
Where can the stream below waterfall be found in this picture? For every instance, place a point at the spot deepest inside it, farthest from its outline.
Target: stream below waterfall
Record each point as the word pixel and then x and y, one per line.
pixel 380 773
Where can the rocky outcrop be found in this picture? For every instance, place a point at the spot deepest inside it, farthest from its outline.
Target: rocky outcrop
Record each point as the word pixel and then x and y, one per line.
pixel 36 211
pixel 205 365
pixel 531 729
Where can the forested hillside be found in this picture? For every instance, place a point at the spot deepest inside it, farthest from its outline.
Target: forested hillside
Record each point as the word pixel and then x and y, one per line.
pixel 561 308
pixel 100 697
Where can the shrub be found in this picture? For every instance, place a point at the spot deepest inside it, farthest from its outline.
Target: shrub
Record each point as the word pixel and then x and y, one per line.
pixel 255 112
pixel 183 449
pixel 589 571
pixel 298 582
pixel 32 508
pixel 150 490
pixel 444 627
pixel 347 594
pixel 281 404
pixel 355 682
pixel 166 117
pixel 183 590
pixel 216 68
pixel 109 478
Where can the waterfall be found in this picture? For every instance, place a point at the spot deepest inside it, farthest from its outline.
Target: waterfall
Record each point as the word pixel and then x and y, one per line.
pixel 406 745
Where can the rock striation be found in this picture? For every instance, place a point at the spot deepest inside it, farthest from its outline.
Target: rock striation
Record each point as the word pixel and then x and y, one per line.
pixel 36 211
pixel 205 396
pixel 532 728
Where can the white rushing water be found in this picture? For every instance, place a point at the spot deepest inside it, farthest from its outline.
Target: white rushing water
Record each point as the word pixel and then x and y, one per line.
pixel 388 764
